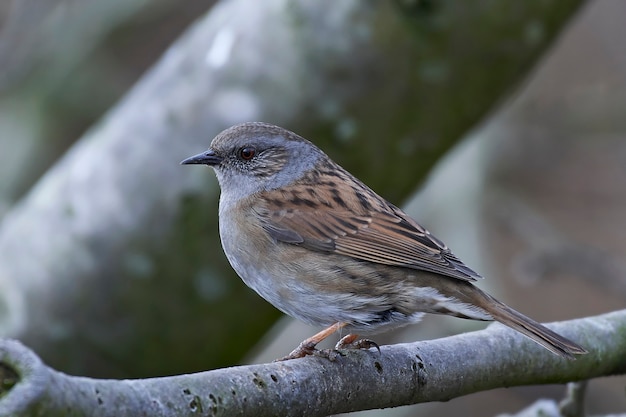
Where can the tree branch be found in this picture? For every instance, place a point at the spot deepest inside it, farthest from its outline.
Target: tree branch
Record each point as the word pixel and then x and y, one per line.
pixel 402 374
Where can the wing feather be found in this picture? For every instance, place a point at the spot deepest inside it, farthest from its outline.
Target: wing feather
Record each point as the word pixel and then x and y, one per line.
pixel 331 211
pixel 385 236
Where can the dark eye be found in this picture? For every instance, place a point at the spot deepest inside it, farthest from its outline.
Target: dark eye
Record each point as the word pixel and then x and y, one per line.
pixel 247 153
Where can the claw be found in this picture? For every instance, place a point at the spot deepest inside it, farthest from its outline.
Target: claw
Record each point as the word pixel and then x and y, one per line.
pixel 305 348
pixel 330 354
pixel 350 342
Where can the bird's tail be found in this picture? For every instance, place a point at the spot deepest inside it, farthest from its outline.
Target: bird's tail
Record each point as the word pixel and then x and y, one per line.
pixel 539 333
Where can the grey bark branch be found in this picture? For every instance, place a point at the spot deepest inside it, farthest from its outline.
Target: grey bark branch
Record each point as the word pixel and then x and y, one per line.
pixel 402 374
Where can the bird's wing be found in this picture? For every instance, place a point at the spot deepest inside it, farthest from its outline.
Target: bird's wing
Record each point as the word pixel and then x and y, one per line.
pixel 387 237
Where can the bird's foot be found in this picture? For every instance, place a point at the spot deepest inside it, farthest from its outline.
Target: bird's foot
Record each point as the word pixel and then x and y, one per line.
pixel 306 348
pixel 350 341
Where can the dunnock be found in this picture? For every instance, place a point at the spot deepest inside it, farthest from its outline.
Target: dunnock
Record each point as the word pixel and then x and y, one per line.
pixel 324 248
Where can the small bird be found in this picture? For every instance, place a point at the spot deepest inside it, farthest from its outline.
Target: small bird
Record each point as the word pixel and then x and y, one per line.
pixel 324 248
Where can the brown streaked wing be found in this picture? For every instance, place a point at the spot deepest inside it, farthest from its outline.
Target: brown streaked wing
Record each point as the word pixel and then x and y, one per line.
pixel 380 237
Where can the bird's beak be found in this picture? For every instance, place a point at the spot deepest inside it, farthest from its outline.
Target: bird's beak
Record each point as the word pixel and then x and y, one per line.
pixel 205 158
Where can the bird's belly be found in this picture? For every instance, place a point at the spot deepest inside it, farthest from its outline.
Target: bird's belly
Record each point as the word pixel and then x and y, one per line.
pixel 317 288
pixel 288 288
pixel 322 288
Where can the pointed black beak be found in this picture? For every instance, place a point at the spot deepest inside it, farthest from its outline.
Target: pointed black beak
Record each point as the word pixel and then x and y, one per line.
pixel 205 158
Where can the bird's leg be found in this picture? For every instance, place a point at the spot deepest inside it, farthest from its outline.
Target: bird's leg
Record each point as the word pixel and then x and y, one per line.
pixel 307 346
pixel 350 341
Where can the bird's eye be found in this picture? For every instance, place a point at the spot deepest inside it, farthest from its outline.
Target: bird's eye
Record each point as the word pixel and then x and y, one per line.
pixel 247 153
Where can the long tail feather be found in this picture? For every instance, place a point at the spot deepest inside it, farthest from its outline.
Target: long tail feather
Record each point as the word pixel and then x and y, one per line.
pixel 539 333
